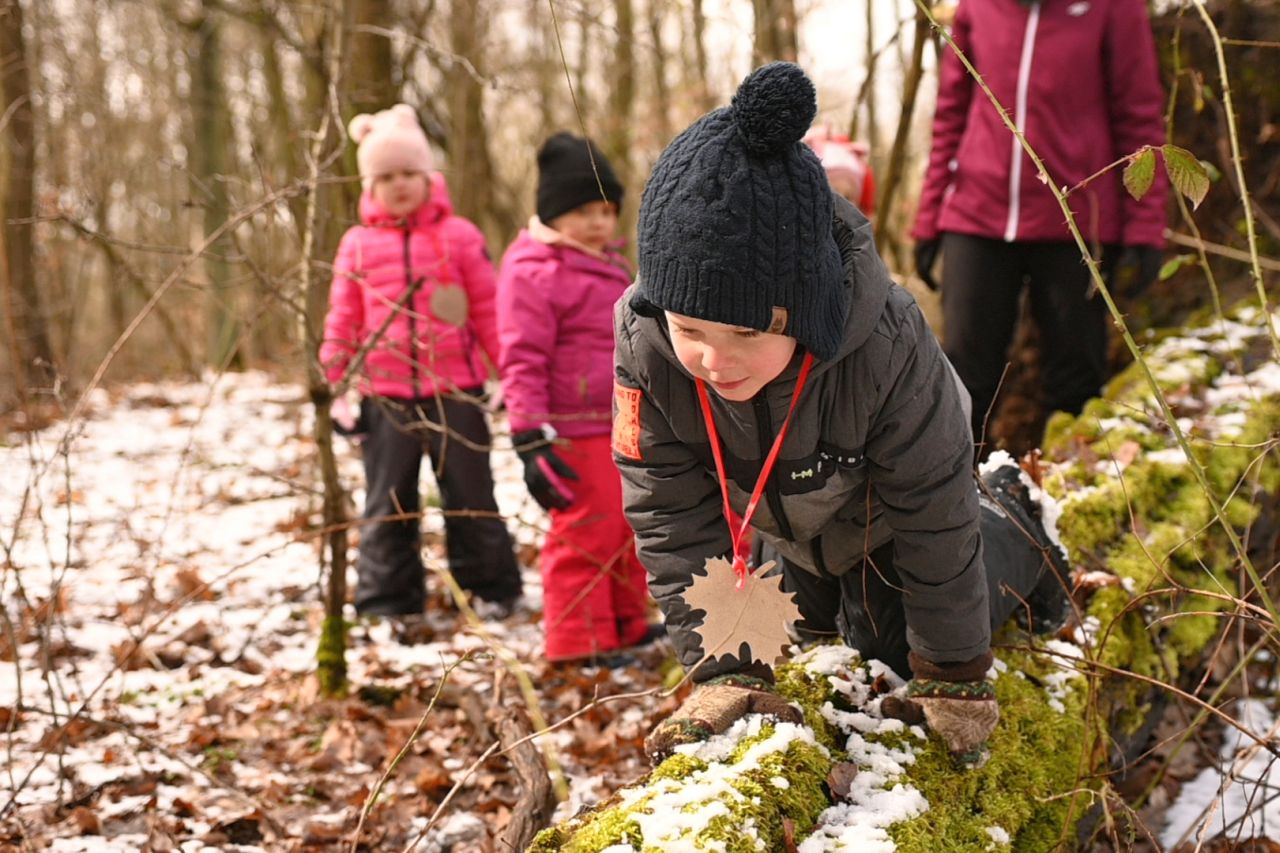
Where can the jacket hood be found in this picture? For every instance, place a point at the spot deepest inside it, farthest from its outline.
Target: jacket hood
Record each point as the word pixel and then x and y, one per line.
pixel 531 247
pixel 437 208
pixel 865 277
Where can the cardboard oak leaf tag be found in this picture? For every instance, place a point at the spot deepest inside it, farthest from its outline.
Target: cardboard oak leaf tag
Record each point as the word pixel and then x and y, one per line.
pixel 758 614
pixel 449 304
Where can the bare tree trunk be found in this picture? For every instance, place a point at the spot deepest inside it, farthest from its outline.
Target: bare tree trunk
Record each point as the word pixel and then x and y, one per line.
pixel 622 96
pixel 548 74
pixel 658 60
pixel 581 96
pixel 702 88
pixel 319 241
pixel 472 191
pixel 867 91
pixel 885 239
pixel 210 149
pixel 775 31
pixel 27 327
pixel 368 76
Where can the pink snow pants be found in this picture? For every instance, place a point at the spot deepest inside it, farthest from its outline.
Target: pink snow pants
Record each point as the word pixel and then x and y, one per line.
pixel 594 591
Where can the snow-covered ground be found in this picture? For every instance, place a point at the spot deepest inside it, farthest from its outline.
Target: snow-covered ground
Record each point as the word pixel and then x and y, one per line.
pixel 171 533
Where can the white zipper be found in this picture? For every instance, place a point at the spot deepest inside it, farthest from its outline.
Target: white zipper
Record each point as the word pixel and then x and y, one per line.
pixel 1019 121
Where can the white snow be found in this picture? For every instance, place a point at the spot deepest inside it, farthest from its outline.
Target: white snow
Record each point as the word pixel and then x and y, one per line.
pixel 1236 799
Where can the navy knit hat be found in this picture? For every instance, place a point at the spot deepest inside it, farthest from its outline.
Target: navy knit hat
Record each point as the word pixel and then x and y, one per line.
pixel 572 171
pixel 735 221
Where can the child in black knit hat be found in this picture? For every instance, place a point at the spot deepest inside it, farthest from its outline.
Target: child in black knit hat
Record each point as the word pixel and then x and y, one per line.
pixel 768 368
pixel 556 291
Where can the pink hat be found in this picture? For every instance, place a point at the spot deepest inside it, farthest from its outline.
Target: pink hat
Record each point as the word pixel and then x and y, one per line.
pixel 389 140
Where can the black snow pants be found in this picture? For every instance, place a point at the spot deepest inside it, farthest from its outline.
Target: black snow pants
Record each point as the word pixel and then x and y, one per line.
pixel 864 606
pixel 390 575
pixel 982 282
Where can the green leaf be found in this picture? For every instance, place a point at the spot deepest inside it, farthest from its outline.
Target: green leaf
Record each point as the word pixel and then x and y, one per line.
pixel 1186 173
pixel 1140 172
pixel 1171 266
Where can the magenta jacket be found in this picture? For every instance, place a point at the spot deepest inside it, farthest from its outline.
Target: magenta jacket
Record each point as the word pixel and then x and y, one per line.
pixel 1080 78
pixel 555 332
pixel 430 345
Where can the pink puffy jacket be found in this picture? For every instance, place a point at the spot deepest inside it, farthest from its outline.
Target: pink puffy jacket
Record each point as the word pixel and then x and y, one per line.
pixel 1080 78
pixel 429 346
pixel 555 328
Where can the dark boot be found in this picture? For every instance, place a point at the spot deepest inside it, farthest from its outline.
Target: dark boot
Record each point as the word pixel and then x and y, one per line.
pixel 1048 604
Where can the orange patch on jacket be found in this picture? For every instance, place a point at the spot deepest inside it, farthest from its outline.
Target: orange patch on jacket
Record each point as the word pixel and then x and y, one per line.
pixel 626 422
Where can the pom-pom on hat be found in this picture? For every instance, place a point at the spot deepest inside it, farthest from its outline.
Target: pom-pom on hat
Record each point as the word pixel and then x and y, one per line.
pixel 735 221
pixel 572 171
pixel 388 141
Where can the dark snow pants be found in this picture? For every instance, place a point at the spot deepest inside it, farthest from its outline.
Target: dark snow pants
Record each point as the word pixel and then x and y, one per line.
pixel 390 575
pixel 864 607
pixel 982 282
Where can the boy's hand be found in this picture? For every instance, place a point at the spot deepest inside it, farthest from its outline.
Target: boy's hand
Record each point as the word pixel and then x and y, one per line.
pixel 962 710
pixel 714 706
pixel 544 472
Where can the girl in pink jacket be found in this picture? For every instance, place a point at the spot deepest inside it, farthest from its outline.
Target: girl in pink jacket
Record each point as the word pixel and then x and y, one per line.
pixel 559 282
pixel 411 309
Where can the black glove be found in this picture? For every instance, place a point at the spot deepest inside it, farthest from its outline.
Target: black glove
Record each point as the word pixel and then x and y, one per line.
pixel 544 472
pixel 926 257
pixel 1134 270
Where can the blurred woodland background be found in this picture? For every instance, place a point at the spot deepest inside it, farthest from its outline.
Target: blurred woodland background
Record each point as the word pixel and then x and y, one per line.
pixel 174 173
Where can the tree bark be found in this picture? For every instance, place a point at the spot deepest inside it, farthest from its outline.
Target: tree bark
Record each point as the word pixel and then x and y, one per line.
pixel 368 76
pixel 27 327
pixel 622 96
pixel 210 160
pixel 775 31
pixel 886 242
pixel 319 237
pixel 582 98
pixel 658 61
pixel 702 91
pixel 472 189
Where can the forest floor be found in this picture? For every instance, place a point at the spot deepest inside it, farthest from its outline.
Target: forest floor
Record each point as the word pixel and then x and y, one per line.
pixel 162 611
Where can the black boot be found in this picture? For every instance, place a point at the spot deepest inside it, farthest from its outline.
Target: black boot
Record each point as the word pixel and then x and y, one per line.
pixel 1048 603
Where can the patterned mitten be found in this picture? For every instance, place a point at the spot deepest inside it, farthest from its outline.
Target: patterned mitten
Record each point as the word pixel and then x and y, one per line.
pixel 714 706
pixel 955 700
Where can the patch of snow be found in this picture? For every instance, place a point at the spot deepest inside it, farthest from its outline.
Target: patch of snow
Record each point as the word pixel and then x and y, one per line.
pixel 1237 798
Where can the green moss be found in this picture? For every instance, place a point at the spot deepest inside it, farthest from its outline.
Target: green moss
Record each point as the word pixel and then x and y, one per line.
pixel 1087 525
pixel 1035 755
pixel 677 766
pixel 810 692
pixel 331 661
pixel 801 797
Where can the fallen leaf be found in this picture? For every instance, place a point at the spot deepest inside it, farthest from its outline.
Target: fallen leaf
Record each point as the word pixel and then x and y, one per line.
pixel 86 821
pixel 840 779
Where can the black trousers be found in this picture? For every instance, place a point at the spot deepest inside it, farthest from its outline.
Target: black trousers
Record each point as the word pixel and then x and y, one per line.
pixel 390 575
pixel 864 607
pixel 982 282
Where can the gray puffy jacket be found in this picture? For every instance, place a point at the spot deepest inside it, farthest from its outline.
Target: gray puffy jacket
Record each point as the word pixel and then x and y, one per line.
pixel 879 449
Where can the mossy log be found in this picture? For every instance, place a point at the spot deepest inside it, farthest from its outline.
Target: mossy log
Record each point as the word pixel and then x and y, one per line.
pixel 1155 575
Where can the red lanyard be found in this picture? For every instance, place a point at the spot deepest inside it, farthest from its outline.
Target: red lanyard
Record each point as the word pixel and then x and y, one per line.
pixel 739 535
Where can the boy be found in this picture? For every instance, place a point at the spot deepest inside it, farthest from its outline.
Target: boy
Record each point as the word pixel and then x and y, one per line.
pixel 765 351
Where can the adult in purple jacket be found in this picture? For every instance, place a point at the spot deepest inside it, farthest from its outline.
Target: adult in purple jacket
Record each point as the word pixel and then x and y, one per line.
pixel 1080 80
